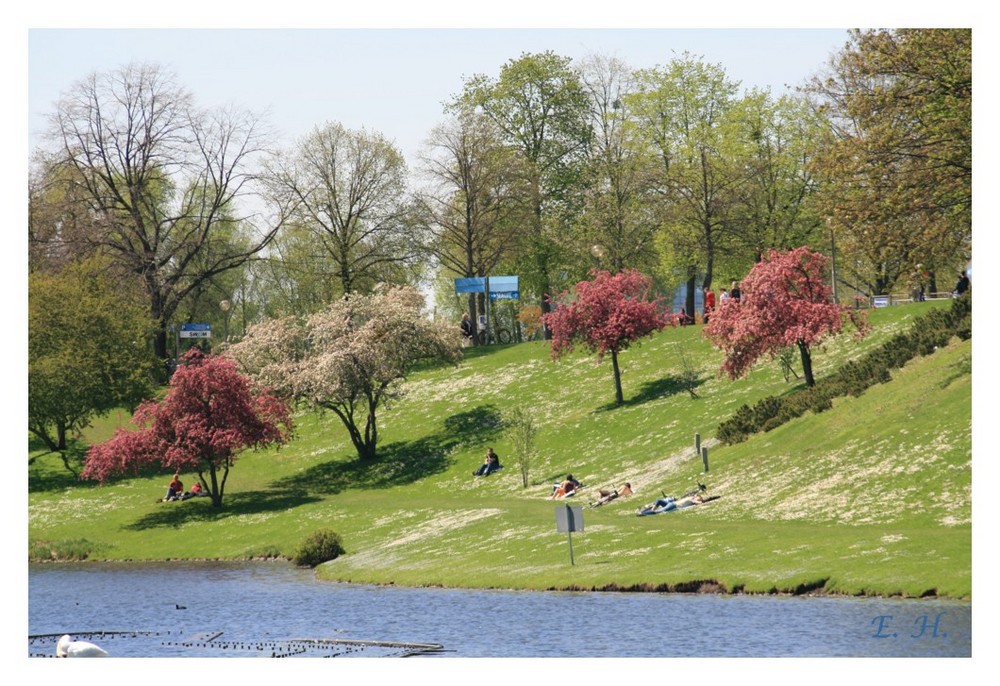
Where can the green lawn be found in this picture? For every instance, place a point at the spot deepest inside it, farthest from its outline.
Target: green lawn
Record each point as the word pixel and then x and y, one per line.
pixel 872 496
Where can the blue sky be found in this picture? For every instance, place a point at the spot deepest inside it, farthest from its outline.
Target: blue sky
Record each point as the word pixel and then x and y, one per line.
pixel 388 65
pixel 390 80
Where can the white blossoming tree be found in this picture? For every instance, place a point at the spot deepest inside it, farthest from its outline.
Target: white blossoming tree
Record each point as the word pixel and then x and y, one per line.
pixel 348 358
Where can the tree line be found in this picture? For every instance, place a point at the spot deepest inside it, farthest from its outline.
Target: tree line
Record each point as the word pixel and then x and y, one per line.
pixel 548 169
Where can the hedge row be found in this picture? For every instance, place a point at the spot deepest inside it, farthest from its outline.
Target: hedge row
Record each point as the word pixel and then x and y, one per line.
pixel 928 333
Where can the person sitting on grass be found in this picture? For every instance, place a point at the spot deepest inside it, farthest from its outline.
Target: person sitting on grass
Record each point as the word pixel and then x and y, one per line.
pixel 491 463
pixel 608 496
pixel 566 488
pixel 175 488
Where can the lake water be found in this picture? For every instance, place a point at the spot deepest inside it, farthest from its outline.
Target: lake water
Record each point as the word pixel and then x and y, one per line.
pixel 272 608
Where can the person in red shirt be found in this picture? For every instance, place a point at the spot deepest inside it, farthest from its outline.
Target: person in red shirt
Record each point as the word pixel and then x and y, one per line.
pixel 194 492
pixel 175 488
pixel 709 304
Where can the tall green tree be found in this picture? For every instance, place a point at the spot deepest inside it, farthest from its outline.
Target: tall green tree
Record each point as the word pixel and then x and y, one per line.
pixel 619 221
pixel 472 203
pixel 348 188
pixel 61 227
pixel 298 276
pixel 897 164
pixel 776 203
pixel 686 111
pixel 541 110
pixel 157 176
pixel 88 349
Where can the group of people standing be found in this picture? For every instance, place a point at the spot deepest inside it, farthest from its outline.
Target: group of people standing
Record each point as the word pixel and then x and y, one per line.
pixel 734 292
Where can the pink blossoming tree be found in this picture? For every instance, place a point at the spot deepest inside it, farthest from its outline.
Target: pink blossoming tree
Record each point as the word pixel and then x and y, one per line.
pixel 786 301
pixel 606 315
pixel 210 414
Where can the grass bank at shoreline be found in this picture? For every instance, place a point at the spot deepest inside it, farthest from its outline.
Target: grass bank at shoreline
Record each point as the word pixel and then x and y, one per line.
pixel 872 497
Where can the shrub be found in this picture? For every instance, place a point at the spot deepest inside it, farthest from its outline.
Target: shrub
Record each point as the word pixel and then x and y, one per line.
pixel 738 427
pixel 321 546
pixel 772 423
pixel 766 410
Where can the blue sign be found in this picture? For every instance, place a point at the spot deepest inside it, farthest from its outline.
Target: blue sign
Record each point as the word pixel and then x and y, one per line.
pixel 499 287
pixel 196 327
pixel 502 284
pixel 476 284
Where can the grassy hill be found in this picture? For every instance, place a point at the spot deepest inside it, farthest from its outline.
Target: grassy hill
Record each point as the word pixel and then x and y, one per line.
pixel 870 497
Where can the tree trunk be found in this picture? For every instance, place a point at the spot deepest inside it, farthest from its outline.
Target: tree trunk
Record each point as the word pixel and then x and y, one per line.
pixel 807 367
pixel 619 397
pixel 472 318
pixel 689 297
pixel 216 487
pixel 160 343
pixel 60 435
pixel 371 432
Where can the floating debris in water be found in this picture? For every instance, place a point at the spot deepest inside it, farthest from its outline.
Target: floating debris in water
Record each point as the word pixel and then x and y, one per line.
pixel 217 644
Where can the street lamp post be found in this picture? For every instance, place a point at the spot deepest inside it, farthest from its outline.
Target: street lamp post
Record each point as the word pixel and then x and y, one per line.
pixel 225 306
pixel 597 251
pixel 833 263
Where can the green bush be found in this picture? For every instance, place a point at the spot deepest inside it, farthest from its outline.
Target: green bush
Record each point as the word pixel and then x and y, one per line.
pixel 321 546
pixel 766 410
pixel 738 427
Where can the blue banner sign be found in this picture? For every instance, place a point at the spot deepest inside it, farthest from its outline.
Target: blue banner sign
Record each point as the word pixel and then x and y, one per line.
pixel 499 287
pixel 476 284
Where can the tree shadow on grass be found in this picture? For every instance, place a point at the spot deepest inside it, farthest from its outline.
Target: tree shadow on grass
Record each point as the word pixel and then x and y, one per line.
pixel 397 464
pixel 178 513
pixel 43 477
pixel 54 470
pixel 661 388
pixel 400 463
pixel 475 427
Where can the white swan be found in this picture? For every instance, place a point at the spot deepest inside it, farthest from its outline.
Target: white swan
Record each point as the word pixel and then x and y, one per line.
pixel 67 647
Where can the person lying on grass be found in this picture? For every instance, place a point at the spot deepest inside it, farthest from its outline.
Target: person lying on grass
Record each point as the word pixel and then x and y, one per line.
pixel 670 503
pixel 566 488
pixel 194 492
pixel 608 496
